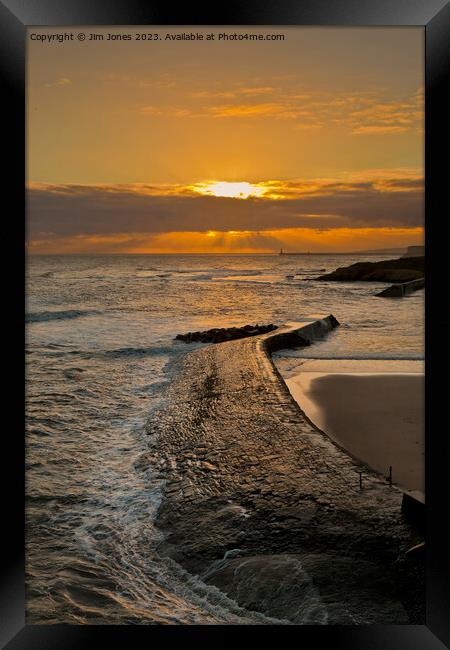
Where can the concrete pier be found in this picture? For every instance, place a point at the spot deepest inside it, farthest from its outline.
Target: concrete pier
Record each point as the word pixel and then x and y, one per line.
pixel 402 289
pixel 252 488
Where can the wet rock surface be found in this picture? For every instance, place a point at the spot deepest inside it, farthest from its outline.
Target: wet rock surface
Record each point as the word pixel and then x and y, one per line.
pixel 403 269
pixel 402 289
pixel 222 334
pixel 247 475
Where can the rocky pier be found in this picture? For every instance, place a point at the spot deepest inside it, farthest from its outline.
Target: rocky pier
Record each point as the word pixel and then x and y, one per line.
pixel 222 334
pixel 264 506
pixel 402 289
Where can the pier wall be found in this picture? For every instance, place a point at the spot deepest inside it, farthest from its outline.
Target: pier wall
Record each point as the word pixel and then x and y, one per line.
pixel 402 289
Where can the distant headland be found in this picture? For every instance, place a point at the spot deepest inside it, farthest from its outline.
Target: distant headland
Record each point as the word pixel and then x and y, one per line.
pixel 406 251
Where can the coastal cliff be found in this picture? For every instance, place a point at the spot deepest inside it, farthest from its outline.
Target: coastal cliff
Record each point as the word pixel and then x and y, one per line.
pixel 264 506
pixel 414 251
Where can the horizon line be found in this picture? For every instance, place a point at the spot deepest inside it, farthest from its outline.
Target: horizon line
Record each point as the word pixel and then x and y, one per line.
pixel 277 254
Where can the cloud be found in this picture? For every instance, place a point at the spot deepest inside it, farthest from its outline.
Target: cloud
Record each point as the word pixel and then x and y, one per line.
pixel 62 81
pixel 308 127
pixel 379 130
pixel 213 94
pixel 233 93
pixel 257 90
pixel 249 110
pixel 290 239
pixel 368 112
pixel 167 111
pixel 105 212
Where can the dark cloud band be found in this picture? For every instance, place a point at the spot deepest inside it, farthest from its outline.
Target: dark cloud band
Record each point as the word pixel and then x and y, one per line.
pixel 71 210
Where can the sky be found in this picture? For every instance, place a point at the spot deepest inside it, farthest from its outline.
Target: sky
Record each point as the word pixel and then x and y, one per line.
pixel 310 143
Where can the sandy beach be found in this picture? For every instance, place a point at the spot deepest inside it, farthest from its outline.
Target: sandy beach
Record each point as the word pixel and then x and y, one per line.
pixel 374 409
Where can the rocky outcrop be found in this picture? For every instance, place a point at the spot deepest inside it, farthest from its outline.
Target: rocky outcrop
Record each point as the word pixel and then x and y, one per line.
pixel 222 334
pixel 403 269
pixel 402 289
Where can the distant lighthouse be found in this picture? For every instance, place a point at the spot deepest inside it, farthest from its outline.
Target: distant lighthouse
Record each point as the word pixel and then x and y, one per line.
pixel 281 251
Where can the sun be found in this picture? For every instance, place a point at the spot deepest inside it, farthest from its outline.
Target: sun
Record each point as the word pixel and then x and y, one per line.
pixel 242 190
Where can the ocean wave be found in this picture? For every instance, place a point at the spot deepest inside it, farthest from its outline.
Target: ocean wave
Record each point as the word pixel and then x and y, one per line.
pixel 136 352
pixel 64 499
pixel 118 353
pixel 180 276
pixel 217 271
pixel 45 316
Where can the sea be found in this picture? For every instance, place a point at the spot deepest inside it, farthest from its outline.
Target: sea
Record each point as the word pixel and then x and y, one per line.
pixel 100 349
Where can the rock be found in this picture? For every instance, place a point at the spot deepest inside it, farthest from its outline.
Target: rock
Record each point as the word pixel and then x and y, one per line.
pixel 400 270
pixel 208 466
pixel 402 289
pixel 220 335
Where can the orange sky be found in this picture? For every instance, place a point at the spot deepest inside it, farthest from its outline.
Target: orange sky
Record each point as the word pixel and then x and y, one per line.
pixel 310 143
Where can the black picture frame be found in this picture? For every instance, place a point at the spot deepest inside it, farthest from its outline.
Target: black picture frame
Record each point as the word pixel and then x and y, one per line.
pixel 434 16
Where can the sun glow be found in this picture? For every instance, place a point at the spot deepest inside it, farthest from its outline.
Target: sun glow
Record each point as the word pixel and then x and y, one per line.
pixel 242 190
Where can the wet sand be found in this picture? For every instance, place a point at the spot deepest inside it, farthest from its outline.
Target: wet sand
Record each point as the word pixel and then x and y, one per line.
pixel 374 409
